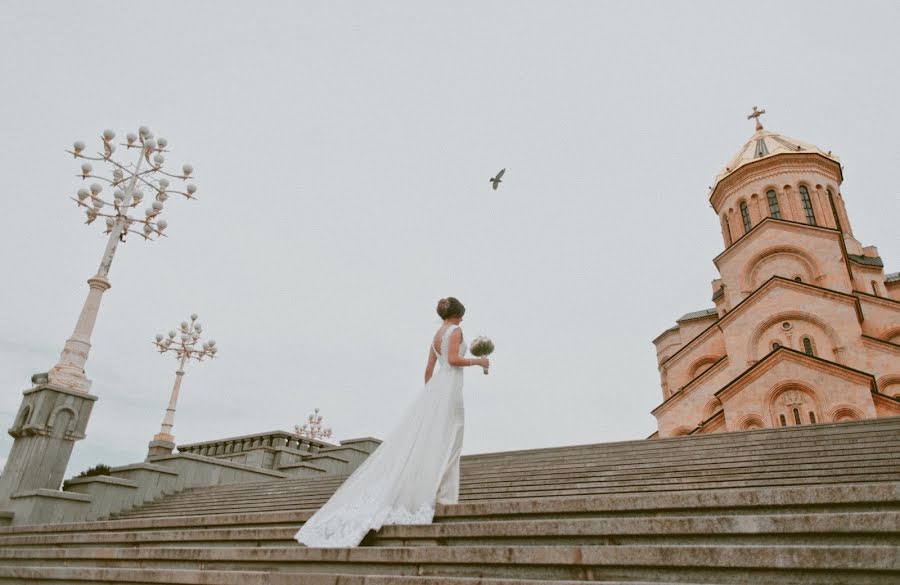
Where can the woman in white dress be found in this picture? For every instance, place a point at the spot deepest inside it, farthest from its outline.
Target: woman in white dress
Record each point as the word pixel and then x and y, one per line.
pixel 417 465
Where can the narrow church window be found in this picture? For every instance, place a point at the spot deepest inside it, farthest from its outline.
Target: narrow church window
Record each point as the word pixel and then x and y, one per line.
pixel 807 205
pixel 797 416
pixel 837 219
pixel 728 230
pixel 812 417
pixel 745 215
pixel 782 419
pixel 774 209
pixel 875 288
pixel 808 346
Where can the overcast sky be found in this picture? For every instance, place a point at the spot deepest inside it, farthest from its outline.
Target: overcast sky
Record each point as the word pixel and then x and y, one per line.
pixel 343 151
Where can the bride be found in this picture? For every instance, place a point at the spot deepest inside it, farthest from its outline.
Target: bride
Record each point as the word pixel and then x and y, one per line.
pixel 417 465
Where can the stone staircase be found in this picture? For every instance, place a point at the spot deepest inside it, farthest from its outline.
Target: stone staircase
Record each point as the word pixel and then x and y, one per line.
pixel 800 505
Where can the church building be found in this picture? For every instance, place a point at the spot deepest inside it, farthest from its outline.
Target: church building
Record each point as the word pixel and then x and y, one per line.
pixel 806 324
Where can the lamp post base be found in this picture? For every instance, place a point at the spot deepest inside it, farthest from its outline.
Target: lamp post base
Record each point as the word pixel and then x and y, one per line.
pixel 70 378
pixel 159 447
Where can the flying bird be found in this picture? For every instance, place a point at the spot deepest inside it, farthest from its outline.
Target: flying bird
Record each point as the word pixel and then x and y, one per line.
pixel 495 181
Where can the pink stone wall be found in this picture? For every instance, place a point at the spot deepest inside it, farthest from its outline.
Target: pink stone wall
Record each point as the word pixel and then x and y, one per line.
pixel 736 376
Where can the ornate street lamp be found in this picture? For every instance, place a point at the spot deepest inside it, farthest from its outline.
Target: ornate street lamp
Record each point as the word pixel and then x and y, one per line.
pixel 115 197
pixel 186 344
pixel 54 413
pixel 312 428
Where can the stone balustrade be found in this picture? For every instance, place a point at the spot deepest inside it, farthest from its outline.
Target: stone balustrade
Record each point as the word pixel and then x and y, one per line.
pixel 227 448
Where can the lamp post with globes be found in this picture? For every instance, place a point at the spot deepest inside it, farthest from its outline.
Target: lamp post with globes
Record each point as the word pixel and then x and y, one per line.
pixel 128 182
pixel 54 413
pixel 312 428
pixel 186 344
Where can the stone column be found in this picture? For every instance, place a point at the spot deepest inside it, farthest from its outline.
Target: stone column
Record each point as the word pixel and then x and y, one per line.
pixel 50 420
pixel 163 442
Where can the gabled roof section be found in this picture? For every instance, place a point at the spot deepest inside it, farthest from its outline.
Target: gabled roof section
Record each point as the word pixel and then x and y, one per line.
pixel 892 277
pixel 874 261
pixel 768 223
pixel 786 354
pixel 757 294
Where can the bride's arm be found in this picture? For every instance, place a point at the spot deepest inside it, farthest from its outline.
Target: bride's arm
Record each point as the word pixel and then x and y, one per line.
pixel 429 367
pixel 453 357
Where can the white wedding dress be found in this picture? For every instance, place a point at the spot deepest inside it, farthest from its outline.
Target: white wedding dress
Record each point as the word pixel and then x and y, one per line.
pixel 416 466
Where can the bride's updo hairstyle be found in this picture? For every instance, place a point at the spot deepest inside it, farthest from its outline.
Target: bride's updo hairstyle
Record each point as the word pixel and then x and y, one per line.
pixel 449 308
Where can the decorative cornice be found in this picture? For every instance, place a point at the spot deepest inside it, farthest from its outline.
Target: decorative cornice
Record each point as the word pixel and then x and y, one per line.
pixel 716 421
pixel 887 302
pixel 672 329
pixel 771 166
pixel 679 394
pixel 771 221
pixel 881 343
pixel 887 401
pixel 61 390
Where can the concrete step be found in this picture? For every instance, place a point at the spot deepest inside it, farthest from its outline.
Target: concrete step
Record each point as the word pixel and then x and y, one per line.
pixel 882 426
pixel 776 565
pixel 632 458
pixel 574 470
pixel 770 453
pixel 884 497
pixel 780 453
pixel 873 528
pixel 56 575
pixel 859 463
pixel 539 490
pixel 636 500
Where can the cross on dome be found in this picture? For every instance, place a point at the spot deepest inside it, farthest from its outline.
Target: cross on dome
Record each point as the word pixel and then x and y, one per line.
pixel 755 114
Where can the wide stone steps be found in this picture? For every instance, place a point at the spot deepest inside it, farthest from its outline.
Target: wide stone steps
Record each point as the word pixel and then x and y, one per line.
pixel 56 575
pixel 825 565
pixel 836 457
pixel 816 505
pixel 875 528
pixel 812 474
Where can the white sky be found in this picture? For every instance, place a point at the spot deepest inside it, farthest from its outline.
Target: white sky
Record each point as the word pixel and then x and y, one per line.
pixel 343 151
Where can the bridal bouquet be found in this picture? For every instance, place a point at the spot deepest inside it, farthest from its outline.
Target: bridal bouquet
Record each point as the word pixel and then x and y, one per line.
pixel 481 347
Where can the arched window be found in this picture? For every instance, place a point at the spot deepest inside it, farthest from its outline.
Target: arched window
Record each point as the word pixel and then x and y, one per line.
pixel 774 209
pixel 837 218
pixel 727 229
pixel 875 288
pixel 797 417
pixel 782 420
pixel 812 417
pixel 745 215
pixel 808 346
pixel 23 416
pixel 798 279
pixel 807 205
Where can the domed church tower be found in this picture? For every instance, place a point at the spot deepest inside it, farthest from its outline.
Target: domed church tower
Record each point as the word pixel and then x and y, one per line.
pixel 806 325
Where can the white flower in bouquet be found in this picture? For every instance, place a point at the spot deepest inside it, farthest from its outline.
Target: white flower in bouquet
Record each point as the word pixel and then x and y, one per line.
pixel 482 346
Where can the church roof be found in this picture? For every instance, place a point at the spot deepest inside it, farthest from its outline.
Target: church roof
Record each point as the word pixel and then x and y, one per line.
pixel 765 143
pixel 867 260
pixel 697 315
pixel 892 277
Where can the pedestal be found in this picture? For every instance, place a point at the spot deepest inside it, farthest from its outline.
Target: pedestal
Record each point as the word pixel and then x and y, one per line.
pixel 49 421
pixel 159 447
